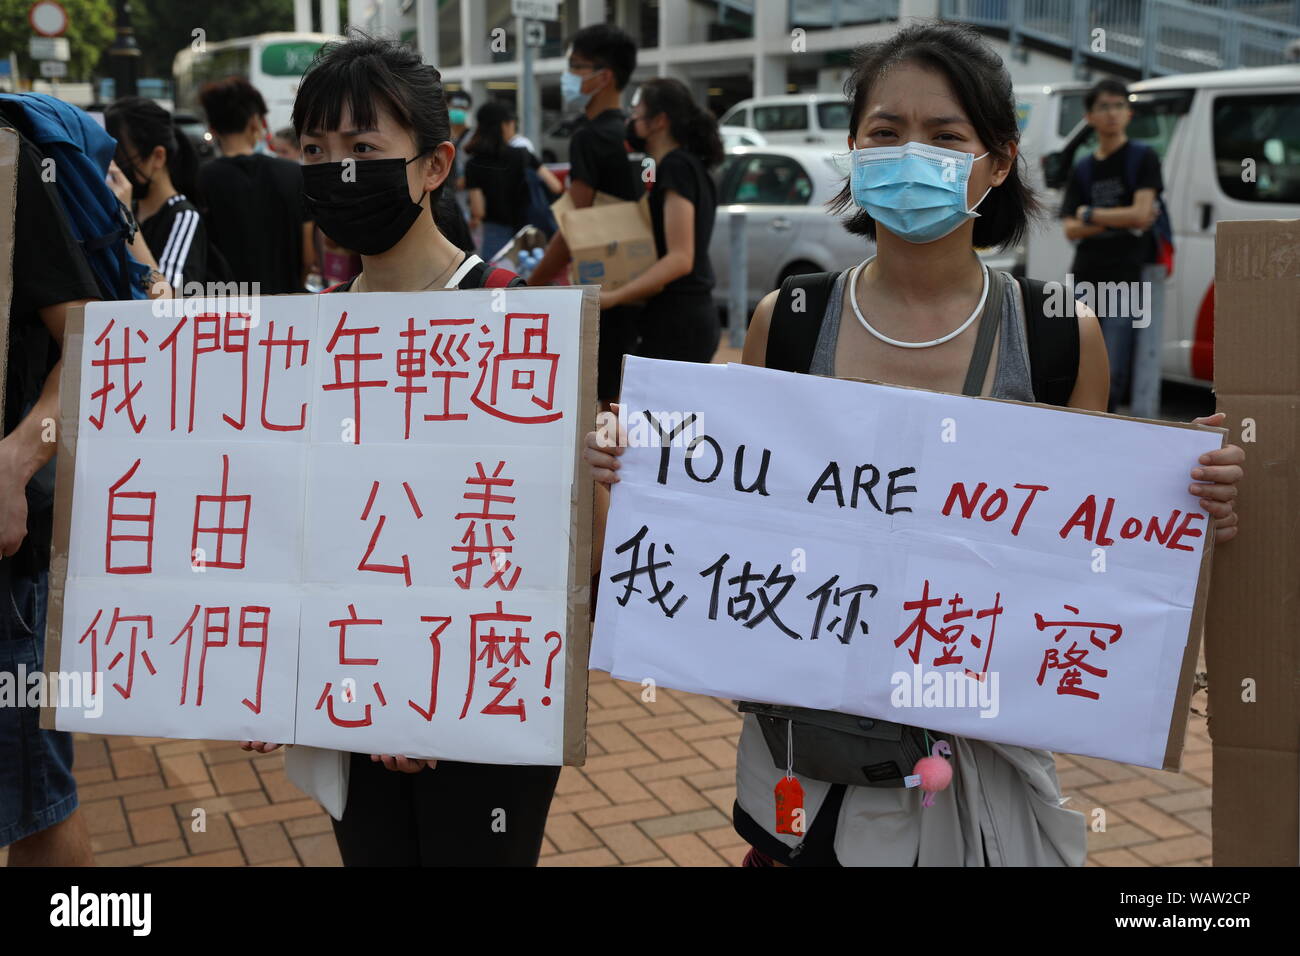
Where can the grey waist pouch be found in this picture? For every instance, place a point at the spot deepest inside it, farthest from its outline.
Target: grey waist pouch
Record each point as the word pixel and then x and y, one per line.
pixel 840 748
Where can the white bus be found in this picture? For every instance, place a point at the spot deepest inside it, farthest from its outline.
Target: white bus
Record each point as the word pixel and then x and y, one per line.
pixel 272 62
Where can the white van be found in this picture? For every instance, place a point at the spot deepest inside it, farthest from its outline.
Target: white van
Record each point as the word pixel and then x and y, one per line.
pixel 794 119
pixel 1047 115
pixel 1229 147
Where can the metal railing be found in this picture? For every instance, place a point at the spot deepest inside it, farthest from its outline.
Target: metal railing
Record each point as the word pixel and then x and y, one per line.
pixel 1153 37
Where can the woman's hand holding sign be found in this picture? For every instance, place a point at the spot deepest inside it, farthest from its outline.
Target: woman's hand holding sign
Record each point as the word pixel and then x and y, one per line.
pixel 1216 482
pixel 603 448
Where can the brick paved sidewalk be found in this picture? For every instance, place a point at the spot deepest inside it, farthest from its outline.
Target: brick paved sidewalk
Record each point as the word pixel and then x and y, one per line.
pixel 656 791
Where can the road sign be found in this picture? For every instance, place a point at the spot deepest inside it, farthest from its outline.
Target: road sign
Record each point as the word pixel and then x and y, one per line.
pixel 48 18
pixel 535 9
pixel 535 33
pixel 51 69
pixel 49 48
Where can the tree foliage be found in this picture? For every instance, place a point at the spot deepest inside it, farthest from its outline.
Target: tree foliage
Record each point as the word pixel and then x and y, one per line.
pixel 164 27
pixel 90 33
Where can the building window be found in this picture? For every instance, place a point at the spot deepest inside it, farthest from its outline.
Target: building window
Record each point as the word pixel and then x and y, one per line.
pixel 832 14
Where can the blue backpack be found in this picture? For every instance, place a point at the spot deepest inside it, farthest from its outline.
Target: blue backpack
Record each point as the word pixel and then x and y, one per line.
pixel 1162 228
pixel 81 151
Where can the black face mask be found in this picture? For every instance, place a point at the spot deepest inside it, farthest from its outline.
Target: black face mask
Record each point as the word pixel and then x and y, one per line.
pixel 637 143
pixel 367 213
pixel 132 173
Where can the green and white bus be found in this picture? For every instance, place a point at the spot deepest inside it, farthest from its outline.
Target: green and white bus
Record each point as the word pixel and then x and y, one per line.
pixel 272 62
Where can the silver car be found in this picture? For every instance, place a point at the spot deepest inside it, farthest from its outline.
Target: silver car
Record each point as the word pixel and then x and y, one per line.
pixel 782 193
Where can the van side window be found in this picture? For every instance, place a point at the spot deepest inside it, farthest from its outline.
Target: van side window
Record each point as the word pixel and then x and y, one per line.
pixel 783 118
pixel 1257 147
pixel 834 117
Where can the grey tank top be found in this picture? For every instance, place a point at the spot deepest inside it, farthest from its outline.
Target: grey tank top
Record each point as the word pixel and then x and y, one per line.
pixel 1011 377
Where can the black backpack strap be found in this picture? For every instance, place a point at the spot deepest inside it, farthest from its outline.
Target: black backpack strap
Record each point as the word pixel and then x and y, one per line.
pixel 1053 344
pixel 791 335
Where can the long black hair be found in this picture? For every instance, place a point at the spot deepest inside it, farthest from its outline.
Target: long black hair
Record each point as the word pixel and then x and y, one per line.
pixel 982 84
pixel 366 73
pixel 488 139
pixel 145 126
pixel 693 127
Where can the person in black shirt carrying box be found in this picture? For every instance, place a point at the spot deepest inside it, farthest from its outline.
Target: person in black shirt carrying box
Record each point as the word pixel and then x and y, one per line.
pixel 680 320
pixel 601 60
pixel 1109 211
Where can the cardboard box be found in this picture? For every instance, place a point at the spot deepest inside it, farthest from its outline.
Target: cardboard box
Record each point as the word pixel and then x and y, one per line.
pixel 610 242
pixel 1253 625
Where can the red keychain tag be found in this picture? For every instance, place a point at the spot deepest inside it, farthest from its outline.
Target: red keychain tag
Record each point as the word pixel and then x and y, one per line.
pixel 789 806
pixel 789 792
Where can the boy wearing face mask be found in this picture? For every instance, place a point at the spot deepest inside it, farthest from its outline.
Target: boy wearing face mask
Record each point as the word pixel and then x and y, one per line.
pixel 601 60
pixel 254 213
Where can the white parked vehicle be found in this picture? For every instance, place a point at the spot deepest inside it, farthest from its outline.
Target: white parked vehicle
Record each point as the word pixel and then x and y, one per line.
pixel 796 118
pixel 782 192
pixel 733 136
pixel 1229 147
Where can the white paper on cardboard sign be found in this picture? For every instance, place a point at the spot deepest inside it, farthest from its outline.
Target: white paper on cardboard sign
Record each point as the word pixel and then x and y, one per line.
pixel 1002 571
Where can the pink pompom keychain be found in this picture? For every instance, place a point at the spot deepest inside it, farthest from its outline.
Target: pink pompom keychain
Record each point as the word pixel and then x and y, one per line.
pixel 932 773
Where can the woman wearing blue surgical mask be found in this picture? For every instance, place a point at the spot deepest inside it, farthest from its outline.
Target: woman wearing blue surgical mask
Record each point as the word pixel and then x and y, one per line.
pixel 934 176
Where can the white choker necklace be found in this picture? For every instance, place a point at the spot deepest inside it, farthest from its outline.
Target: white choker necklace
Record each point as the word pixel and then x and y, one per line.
pixel 853 298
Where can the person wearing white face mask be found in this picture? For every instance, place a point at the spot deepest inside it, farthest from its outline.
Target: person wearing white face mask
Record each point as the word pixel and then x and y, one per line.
pixel 934 176
pixel 601 60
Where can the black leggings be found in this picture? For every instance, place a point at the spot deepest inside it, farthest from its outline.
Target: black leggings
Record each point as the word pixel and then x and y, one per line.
pixel 457 814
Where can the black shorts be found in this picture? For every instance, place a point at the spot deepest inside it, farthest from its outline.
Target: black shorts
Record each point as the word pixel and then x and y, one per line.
pixel 618 335
pixel 683 327
pixel 456 814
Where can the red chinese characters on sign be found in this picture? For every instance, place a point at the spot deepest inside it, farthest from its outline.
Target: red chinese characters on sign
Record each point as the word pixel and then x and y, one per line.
pixel 950 635
pixel 131 622
pixel 518 383
pixel 130 528
pixel 493 648
pixel 350 363
pixel 269 345
pixel 481 536
pixel 127 389
pixel 327 698
pixel 404 569
pixel 1073 662
pixel 230 514
pixel 254 626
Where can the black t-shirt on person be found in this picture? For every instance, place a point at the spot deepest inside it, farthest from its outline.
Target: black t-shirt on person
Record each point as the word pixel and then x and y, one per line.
pixel 48 268
pixel 683 173
pixel 598 157
pixel 1115 254
pixel 505 188
pixel 254 216
pixel 178 239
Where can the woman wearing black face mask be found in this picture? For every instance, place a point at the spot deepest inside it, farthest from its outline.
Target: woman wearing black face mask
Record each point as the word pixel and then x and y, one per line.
pixel 375 135
pixel 159 162
pixel 680 320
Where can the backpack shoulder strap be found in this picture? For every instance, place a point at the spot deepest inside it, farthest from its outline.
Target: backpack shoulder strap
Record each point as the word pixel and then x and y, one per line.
pixel 1083 169
pixel 1133 162
pixel 792 335
pixel 1053 345
pixel 498 278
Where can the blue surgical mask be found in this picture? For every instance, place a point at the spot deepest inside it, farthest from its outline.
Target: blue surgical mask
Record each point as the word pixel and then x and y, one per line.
pixel 571 91
pixel 916 191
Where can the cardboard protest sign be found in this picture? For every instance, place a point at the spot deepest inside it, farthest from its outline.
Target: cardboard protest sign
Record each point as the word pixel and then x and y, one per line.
pixel 354 521
pixel 1252 645
pixel 993 569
